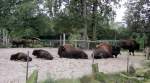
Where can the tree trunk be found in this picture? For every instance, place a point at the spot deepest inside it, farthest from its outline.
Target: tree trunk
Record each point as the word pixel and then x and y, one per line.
pixel 94 10
pixel 83 13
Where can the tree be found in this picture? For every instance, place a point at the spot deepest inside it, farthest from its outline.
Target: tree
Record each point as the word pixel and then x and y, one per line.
pixel 138 16
pixel 45 17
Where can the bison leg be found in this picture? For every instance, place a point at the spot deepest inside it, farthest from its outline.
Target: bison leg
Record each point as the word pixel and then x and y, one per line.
pixel 133 53
pixel 115 56
pixel 129 53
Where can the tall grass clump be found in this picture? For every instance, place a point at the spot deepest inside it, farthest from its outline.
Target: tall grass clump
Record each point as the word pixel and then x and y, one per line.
pixel 33 77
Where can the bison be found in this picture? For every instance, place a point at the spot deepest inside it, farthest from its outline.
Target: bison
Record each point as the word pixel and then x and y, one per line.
pixel 116 50
pixel 42 54
pixel 103 50
pixel 20 56
pixel 68 51
pixel 130 45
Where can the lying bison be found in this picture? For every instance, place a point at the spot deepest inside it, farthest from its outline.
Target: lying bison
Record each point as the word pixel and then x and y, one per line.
pixel 20 56
pixel 42 54
pixel 68 51
pixel 130 45
pixel 103 50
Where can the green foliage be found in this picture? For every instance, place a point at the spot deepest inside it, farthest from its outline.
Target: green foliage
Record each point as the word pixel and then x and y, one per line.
pixel 48 80
pixel 95 68
pixel 28 18
pixel 73 37
pixel 68 81
pixel 36 46
pixel 147 63
pixel 33 77
pixel 137 17
pixel 100 76
pixel 88 79
pixel 141 38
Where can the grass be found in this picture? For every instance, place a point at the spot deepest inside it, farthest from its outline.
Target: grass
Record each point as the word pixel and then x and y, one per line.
pixel 140 76
pixel 33 78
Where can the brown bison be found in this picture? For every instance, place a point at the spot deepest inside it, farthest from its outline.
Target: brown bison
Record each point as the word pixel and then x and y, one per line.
pixel 103 50
pixel 42 54
pixel 20 56
pixel 68 51
pixel 130 45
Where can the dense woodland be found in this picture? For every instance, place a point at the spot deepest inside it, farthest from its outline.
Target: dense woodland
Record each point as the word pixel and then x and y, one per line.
pixel 79 19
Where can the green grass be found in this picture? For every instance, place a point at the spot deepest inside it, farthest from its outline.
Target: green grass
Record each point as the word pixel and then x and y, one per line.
pixel 140 76
pixel 33 77
pixel 102 78
pixel 68 81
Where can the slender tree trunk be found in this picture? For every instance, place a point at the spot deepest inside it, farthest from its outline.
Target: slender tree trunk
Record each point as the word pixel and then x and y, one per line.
pixel 84 14
pixel 94 10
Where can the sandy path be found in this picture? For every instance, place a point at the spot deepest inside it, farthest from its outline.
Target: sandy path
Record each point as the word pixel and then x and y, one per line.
pixel 12 71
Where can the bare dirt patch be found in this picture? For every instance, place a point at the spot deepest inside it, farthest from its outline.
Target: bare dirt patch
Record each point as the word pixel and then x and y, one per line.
pixel 14 72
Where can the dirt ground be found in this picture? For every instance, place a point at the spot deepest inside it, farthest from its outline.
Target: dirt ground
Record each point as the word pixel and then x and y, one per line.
pixel 15 71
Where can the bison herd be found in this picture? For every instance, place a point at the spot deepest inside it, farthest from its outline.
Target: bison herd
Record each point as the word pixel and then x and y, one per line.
pixel 102 50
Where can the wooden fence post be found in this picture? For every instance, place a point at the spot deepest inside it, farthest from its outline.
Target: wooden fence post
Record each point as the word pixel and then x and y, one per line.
pixel 64 38
pixel 27 66
pixel 128 63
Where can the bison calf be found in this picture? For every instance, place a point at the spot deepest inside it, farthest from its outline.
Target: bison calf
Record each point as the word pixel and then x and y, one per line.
pixel 42 54
pixel 20 56
pixel 71 52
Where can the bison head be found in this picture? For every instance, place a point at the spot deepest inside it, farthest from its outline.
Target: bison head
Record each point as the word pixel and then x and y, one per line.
pixel 61 50
pixel 116 50
pixel 35 52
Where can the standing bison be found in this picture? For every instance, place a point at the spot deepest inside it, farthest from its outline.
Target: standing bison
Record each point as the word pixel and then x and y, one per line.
pixel 130 45
pixel 68 51
pixel 42 54
pixel 103 50
pixel 20 56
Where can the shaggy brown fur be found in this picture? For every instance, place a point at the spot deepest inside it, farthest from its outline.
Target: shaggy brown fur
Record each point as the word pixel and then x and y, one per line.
pixel 68 51
pixel 42 54
pixel 20 56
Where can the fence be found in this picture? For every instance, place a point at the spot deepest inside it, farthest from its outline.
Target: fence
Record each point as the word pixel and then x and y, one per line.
pixel 85 44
